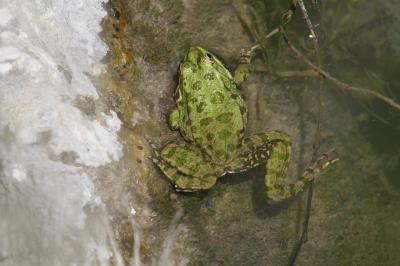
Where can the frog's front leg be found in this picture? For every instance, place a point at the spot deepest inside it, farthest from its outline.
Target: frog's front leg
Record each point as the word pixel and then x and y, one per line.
pixel 274 149
pixel 187 167
pixel 243 68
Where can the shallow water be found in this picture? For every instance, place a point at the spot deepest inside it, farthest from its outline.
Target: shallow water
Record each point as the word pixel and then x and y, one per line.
pixel 76 123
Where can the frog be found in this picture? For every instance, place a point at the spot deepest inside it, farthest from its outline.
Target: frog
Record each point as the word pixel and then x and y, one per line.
pixel 211 116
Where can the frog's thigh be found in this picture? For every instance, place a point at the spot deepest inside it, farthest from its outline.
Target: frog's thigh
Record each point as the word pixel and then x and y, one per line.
pixel 274 149
pixel 186 167
pixel 256 150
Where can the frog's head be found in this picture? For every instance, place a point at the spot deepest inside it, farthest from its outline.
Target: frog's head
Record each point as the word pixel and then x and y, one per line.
pixel 199 59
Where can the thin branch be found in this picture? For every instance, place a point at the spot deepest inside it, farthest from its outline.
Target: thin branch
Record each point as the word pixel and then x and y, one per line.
pixel 323 73
pixel 285 74
pixel 337 82
pixel 258 44
pixel 312 35
pixel 317 138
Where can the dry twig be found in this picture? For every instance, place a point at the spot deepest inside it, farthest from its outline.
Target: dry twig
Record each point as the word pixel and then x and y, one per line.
pixel 317 139
pixel 337 82
pixel 324 74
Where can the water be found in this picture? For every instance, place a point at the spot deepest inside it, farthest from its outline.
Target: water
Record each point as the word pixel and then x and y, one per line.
pixel 49 211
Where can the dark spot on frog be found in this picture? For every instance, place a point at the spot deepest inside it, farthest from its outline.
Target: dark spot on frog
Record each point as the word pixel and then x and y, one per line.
pixel 140 147
pixel 170 153
pixel 210 136
pixel 191 98
pixel 197 86
pixel 180 161
pixel 200 107
pixel 209 76
pixel 224 134
pixel 217 98
pixel 205 121
pixel 224 117
pixel 194 99
pixel 194 129
pixel 139 161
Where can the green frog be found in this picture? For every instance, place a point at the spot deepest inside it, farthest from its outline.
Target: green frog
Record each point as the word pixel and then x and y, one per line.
pixel 211 115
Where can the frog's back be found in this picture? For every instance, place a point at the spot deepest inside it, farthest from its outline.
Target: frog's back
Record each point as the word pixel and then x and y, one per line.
pixel 217 114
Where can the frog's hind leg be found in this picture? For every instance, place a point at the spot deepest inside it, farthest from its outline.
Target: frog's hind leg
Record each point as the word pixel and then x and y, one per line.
pixel 186 167
pixel 254 150
pixel 277 188
pixel 273 148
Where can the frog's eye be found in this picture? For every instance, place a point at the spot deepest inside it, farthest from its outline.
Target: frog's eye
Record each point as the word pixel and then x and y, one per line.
pixel 210 57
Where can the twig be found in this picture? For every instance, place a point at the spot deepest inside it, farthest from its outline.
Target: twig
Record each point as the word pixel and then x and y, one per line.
pixel 323 73
pixel 337 82
pixel 258 44
pixel 312 35
pixel 285 74
pixel 317 139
